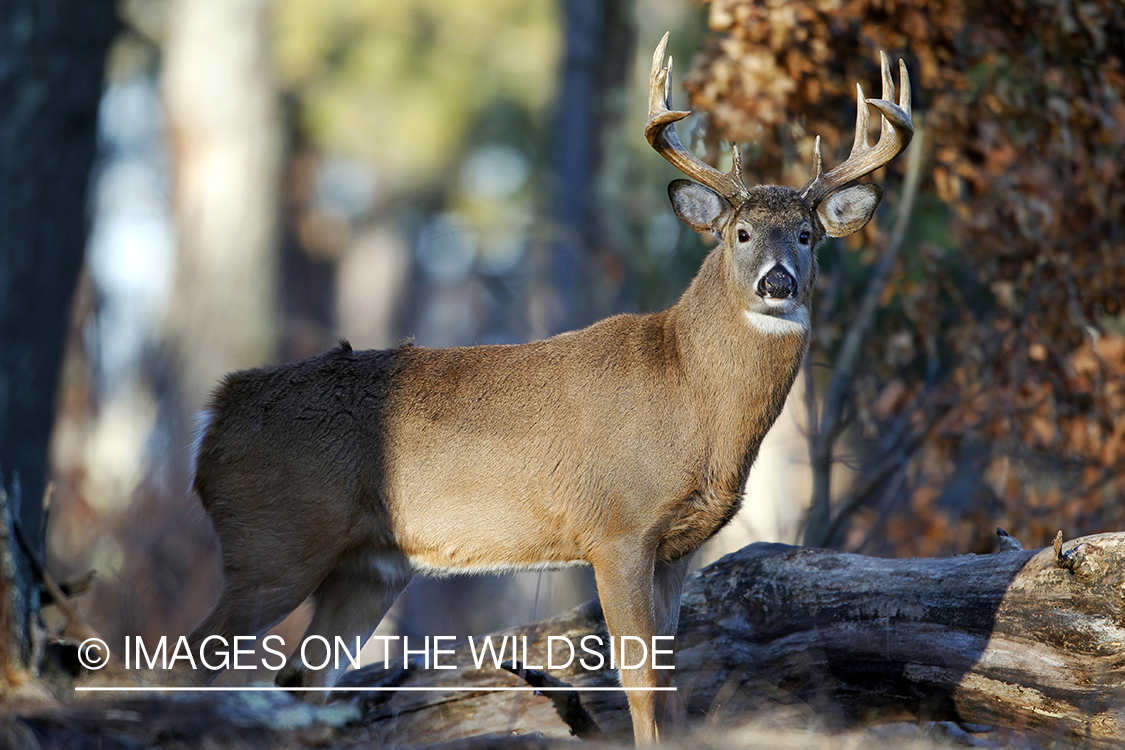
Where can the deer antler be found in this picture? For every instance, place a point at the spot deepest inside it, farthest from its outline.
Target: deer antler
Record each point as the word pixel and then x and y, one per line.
pixel 865 158
pixel 661 134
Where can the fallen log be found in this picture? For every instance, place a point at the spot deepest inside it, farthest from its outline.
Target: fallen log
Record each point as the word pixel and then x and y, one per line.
pixel 1031 640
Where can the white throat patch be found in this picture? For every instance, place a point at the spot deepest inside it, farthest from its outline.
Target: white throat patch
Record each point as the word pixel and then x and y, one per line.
pixel 785 324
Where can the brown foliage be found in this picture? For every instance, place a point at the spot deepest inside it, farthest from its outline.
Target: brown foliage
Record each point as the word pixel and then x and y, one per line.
pixel 1002 341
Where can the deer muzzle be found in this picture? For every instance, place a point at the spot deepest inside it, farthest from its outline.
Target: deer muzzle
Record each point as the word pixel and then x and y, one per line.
pixel 778 284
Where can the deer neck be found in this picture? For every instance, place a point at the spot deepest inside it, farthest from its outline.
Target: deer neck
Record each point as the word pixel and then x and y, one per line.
pixel 739 369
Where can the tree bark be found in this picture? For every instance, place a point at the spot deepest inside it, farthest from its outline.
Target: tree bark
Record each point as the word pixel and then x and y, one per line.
pixel 52 59
pixel 1031 640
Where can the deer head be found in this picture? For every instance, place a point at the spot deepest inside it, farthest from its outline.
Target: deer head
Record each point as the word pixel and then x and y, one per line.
pixel 771 232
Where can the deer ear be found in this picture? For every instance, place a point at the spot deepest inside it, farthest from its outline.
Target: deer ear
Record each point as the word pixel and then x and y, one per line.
pixel 701 208
pixel 847 211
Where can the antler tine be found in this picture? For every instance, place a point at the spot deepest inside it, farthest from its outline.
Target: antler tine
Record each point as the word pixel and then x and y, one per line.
pixel 818 172
pixel 888 86
pixel 661 134
pixel 904 89
pixel 895 133
pixel 862 123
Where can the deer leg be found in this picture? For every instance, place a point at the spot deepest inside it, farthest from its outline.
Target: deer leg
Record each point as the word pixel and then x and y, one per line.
pixel 252 602
pixel 667 589
pixel 624 577
pixel 350 603
pixel 270 565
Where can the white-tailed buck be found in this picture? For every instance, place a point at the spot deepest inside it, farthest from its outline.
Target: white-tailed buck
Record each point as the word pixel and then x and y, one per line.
pixel 623 446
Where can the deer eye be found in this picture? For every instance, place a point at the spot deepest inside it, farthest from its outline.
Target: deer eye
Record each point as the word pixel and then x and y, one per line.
pixel 743 235
pixel 803 238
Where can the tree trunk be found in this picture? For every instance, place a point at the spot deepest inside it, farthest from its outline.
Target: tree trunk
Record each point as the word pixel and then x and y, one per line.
pixel 52 59
pixel 1022 639
pixel 225 128
pixel 599 43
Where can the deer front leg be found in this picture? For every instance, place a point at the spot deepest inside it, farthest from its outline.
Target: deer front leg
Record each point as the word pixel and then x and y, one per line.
pixel 624 577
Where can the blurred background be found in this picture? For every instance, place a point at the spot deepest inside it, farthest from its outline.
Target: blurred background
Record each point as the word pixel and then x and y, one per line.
pixel 273 175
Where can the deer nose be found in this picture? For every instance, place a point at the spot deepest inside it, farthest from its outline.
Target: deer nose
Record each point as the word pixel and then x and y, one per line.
pixel 778 284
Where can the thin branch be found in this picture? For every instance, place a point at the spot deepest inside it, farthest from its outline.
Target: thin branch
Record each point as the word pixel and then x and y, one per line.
pixel 568 705
pixel 847 363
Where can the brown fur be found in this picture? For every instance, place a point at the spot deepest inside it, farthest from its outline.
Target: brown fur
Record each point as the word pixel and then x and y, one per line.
pixel 624 445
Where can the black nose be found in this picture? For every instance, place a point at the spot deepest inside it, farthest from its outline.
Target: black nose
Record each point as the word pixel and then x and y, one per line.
pixel 778 283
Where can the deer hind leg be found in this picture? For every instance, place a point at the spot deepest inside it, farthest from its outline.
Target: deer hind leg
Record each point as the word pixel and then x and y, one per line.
pixel 273 560
pixel 624 577
pixel 350 603
pixel 668 589
pixel 254 599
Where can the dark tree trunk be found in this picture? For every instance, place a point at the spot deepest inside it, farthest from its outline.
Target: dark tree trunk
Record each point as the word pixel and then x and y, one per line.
pixel 599 45
pixel 52 60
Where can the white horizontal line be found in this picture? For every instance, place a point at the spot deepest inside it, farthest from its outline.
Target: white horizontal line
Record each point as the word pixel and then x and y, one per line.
pixel 264 689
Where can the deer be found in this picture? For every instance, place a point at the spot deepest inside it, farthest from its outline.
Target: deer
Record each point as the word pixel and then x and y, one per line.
pixel 623 446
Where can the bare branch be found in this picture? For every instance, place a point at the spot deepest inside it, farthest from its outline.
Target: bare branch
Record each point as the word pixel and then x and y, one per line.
pixel 818 528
